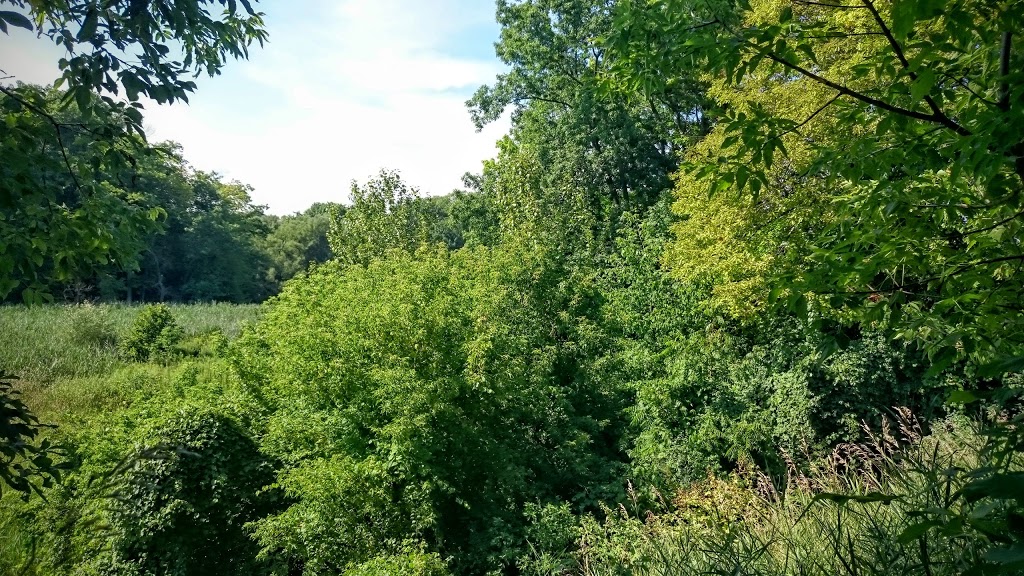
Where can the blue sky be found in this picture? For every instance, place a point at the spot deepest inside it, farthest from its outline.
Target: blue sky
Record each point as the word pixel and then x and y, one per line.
pixel 343 89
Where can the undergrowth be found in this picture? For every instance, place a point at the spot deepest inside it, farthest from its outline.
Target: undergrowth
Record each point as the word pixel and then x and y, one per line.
pixel 903 502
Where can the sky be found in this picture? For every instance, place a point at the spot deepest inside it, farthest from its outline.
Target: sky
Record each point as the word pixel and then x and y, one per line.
pixel 342 90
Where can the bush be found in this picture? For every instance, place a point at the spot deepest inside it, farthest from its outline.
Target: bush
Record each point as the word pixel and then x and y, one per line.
pixel 153 334
pixel 407 564
pixel 427 399
pixel 183 507
pixel 208 344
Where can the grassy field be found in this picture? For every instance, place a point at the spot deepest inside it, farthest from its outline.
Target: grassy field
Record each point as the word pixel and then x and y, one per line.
pixel 47 344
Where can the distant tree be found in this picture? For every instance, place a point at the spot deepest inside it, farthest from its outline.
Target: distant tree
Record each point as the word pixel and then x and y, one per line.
pixel 67 212
pixel 206 244
pixel 222 259
pixel 298 240
pixel 461 218
pixel 384 215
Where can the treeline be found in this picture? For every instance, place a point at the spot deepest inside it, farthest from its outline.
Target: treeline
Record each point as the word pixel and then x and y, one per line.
pixel 170 232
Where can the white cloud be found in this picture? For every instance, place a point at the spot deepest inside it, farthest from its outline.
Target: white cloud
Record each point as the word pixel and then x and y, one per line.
pixel 342 90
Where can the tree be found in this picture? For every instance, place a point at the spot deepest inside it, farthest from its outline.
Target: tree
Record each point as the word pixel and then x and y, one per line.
pixel 920 169
pixel 62 220
pixel 618 148
pixel 142 48
pixel 69 206
pixel 384 215
pixel 299 240
pixel 423 399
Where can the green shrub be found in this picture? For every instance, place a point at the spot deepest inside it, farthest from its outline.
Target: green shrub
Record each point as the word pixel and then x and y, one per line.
pixel 427 399
pixel 153 334
pixel 182 510
pixel 406 564
pixel 206 344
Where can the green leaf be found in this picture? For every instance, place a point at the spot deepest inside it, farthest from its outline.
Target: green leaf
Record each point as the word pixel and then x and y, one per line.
pixel 923 85
pixel 89 25
pixel 14 19
pixel 1003 366
pixel 1013 554
pixel 961 397
pixel 904 16
pixel 83 99
pixel 1008 486
pixel 915 531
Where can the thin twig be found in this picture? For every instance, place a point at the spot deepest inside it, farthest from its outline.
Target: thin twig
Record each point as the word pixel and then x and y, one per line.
pixel 996 225
pixel 811 117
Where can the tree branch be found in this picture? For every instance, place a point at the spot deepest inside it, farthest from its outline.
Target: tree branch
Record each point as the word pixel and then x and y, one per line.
pixel 1004 71
pixel 965 83
pixel 996 225
pixel 868 99
pixel 968 266
pixel 828 5
pixel 898 50
pixel 833 35
pixel 56 128
pixel 520 99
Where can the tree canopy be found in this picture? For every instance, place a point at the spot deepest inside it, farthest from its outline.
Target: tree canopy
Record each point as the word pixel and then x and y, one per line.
pixel 69 200
pixel 890 190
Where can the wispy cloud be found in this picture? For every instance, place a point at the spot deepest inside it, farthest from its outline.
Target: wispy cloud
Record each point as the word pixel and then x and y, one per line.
pixel 342 90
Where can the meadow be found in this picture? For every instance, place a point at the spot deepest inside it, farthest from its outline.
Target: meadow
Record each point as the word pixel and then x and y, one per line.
pixel 46 344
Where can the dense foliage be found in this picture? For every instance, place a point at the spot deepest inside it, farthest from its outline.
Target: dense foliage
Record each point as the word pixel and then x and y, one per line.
pixel 67 185
pixel 873 155
pixel 179 235
pixel 740 293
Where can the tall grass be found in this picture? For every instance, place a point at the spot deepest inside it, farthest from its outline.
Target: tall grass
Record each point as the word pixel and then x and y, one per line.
pixel 891 506
pixel 41 344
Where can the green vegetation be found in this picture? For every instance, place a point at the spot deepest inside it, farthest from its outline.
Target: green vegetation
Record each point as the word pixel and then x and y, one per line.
pixel 45 343
pixel 739 294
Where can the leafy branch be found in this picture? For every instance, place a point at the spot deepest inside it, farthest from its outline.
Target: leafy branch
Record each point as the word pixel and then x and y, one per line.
pixel 53 122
